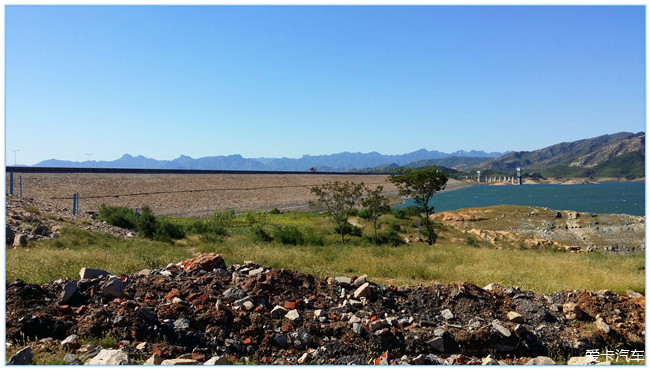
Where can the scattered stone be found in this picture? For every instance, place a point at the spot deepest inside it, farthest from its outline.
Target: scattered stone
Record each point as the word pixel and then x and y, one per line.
pixel 489 360
pixel 113 288
pixel 602 325
pixel 303 358
pixel 218 360
pixel 496 324
pixel 492 287
pixel 360 281
pixel 584 360
pixel 68 291
pixel 110 357
pixel 363 291
pixel 20 240
pixel 155 359
pixel 279 312
pixel 22 357
pixel 180 361
pixel 633 294
pixel 256 271
pixel 72 359
pixel 540 360
pixel 343 281
pixel 446 314
pixel 572 311
pixel 515 317
pixel 182 324
pixel 292 315
pixel 234 293
pixel 71 342
pixel 437 343
pixel 89 273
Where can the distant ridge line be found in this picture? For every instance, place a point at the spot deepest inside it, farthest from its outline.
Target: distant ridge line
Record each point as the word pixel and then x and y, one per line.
pixel 21 169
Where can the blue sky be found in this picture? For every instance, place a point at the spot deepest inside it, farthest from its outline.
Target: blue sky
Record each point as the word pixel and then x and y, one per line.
pixel 283 81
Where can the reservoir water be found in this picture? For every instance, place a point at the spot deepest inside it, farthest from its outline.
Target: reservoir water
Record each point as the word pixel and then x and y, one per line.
pixel 605 197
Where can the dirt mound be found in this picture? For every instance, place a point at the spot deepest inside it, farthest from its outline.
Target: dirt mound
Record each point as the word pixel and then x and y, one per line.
pixel 276 316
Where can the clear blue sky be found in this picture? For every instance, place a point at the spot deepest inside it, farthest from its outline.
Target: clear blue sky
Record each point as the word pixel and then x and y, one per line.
pixel 283 81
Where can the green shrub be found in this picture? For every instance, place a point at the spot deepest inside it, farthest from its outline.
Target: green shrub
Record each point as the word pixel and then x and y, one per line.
pixel 224 217
pixel 390 237
pixel 203 226
pixel 349 229
pixel 166 231
pixel 406 212
pixel 261 235
pixel 275 211
pixel 365 213
pixel 289 235
pixel 146 223
pixel 117 216
pixel 312 238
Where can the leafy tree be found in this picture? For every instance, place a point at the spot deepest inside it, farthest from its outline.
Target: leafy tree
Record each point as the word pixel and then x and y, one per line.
pixel 421 184
pixel 339 198
pixel 375 205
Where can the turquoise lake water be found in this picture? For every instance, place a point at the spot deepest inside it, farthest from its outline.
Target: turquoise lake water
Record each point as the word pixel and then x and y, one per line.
pixel 606 197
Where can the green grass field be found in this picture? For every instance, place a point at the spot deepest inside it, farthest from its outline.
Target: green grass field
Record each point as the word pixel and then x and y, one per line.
pixel 456 257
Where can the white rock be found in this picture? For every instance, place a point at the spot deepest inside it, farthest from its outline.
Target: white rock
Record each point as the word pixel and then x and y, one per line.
pixel 363 291
pixel 540 360
pixel 88 273
pixel 292 315
pixel 68 342
pixel 110 357
pixel 180 361
pixel 446 314
pixel 501 329
pixel 602 325
pixel 218 360
pixel 489 360
pixel 155 359
pixel 584 360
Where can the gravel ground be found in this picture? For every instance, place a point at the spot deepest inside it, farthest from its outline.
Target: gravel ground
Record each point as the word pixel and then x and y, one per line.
pixel 187 195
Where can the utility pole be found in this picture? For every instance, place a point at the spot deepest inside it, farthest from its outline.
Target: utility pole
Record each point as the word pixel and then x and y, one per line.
pixel 15 151
pixel 89 154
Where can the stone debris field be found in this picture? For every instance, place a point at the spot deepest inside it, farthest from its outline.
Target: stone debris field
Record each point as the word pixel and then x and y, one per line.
pixel 200 311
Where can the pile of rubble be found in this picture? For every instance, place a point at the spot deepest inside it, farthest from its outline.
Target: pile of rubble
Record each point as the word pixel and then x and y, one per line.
pixel 31 219
pixel 201 311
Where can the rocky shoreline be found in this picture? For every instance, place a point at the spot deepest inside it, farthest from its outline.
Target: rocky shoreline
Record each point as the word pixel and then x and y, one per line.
pixel 200 311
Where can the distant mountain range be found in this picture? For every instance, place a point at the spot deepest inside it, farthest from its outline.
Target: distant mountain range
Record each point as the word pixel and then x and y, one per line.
pixel 345 161
pixel 616 155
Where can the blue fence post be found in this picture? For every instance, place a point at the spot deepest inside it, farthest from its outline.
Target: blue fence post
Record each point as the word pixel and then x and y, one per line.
pixel 419 228
pixel 486 238
pixel 78 208
pixel 74 204
pixel 11 183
